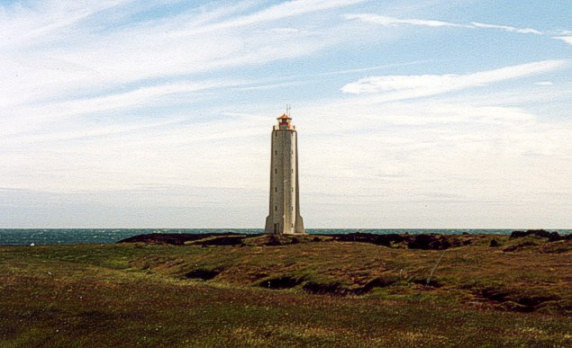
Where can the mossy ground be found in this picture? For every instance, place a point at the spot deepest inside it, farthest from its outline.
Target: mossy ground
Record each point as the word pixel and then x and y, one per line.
pixel 311 293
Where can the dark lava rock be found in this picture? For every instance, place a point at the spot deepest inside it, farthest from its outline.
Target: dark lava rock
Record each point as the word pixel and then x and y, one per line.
pixel 418 241
pixel 181 238
pixel 551 236
pixel 428 242
pixel 164 238
pixel 378 239
pixel 276 239
pixel 225 240
pixel 494 243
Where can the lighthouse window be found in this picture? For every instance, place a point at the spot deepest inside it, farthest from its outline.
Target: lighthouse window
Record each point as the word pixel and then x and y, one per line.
pixel 275 171
pixel 275 152
pixel 275 208
pixel 276 189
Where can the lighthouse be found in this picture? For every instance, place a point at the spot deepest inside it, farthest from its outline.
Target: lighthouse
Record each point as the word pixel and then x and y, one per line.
pixel 284 208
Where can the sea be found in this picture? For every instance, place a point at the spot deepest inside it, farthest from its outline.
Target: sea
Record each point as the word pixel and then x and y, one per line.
pixel 105 236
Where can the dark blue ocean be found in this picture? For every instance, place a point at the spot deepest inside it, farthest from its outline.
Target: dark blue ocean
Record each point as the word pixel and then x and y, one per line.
pixel 98 236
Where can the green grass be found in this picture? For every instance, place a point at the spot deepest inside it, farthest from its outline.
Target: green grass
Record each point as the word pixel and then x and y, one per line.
pixel 138 295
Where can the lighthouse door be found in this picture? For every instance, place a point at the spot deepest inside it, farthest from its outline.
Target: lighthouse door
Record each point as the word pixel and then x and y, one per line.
pixel 276 227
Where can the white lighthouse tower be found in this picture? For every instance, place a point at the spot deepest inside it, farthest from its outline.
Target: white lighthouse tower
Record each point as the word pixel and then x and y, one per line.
pixel 284 209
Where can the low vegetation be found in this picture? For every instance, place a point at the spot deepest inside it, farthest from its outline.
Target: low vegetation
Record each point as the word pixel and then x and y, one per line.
pixel 313 290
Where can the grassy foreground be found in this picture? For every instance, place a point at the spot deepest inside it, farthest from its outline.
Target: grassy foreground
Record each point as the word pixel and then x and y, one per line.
pixel 315 292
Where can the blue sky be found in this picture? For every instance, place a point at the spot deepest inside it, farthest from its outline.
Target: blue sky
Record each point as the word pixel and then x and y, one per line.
pixel 128 113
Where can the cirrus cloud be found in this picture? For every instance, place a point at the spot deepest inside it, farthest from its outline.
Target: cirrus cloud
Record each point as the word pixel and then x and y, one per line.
pixel 567 39
pixel 413 86
pixel 392 21
pixel 507 28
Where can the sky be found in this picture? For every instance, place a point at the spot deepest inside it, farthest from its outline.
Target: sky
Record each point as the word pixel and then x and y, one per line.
pixel 410 114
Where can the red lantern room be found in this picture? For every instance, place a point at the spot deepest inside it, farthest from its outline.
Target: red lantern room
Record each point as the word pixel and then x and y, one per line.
pixel 284 121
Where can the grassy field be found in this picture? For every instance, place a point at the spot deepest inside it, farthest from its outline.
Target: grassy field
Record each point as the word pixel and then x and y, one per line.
pixel 313 292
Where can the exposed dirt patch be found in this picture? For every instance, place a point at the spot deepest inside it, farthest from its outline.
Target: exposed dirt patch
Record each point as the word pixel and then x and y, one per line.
pixel 380 282
pixel 204 274
pixel 431 283
pixel 513 301
pixel 280 283
pixel 519 246
pixel 558 247
pixel 325 288
pixel 494 294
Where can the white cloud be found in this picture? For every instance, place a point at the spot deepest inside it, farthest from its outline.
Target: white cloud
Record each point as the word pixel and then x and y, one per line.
pixel 67 51
pixel 81 95
pixel 397 87
pixel 507 28
pixel 392 21
pixel 280 11
pixel 567 39
pixel 22 23
pixel 388 155
pixel 544 83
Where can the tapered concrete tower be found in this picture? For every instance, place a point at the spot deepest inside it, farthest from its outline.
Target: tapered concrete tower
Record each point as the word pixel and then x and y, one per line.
pixel 284 210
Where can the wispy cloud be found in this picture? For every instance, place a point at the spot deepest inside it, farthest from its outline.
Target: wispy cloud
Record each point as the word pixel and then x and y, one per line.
pixel 55 59
pixel 21 24
pixel 392 21
pixel 567 39
pixel 412 86
pixel 280 11
pixel 506 28
pixel 91 81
